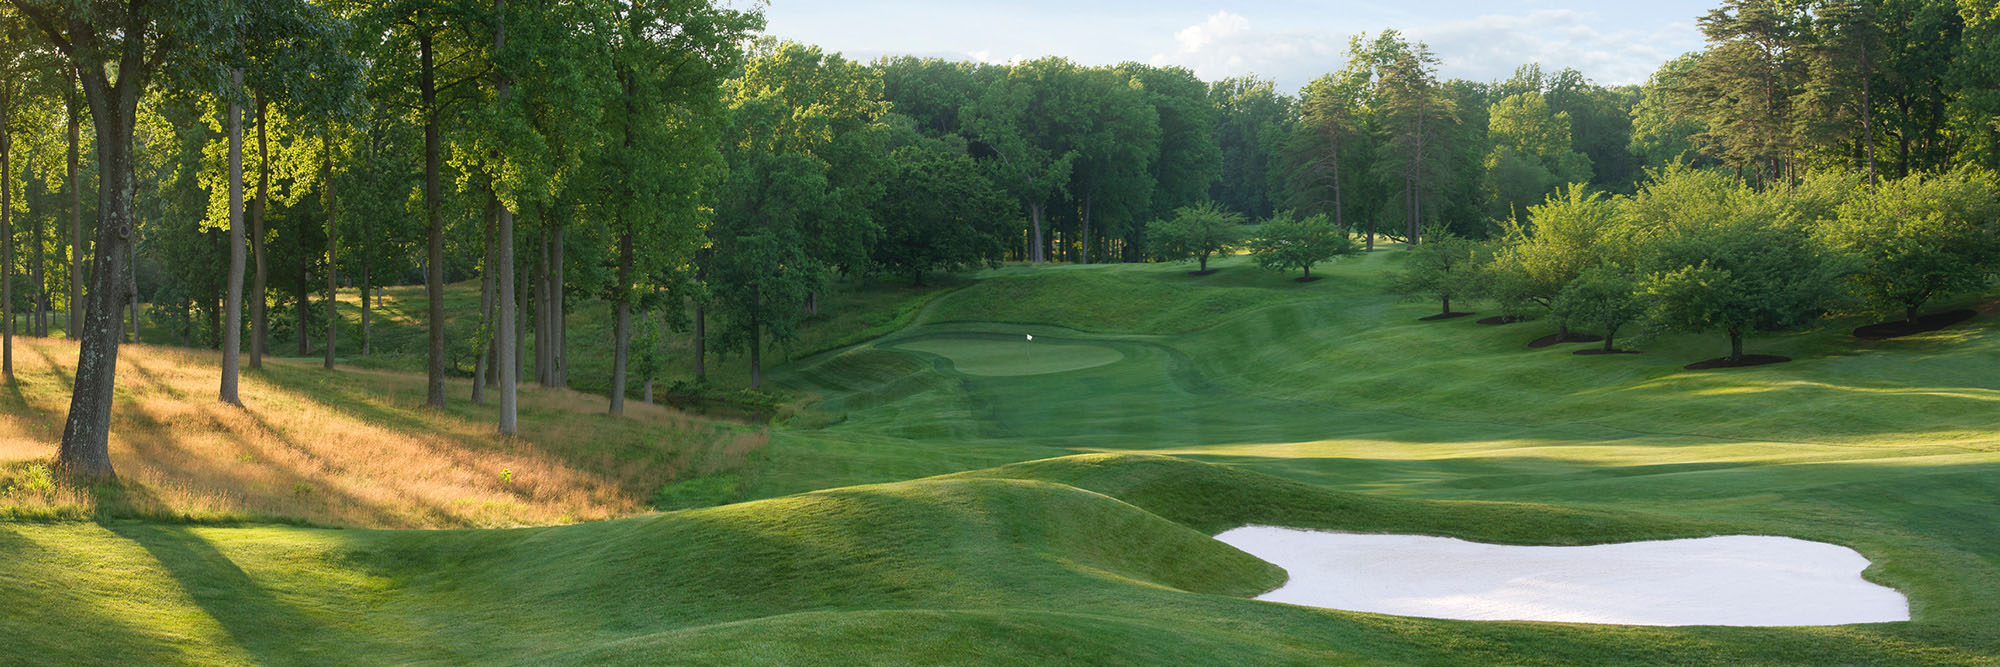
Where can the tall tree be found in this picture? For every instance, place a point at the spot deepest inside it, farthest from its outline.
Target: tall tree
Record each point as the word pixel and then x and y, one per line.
pixel 116 50
pixel 671 59
pixel 1024 125
pixel 1414 107
pixel 1251 124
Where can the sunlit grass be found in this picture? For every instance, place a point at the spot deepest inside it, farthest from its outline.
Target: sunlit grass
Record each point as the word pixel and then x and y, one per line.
pixel 346 448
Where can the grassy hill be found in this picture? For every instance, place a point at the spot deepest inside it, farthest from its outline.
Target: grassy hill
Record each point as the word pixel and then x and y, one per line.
pixel 946 491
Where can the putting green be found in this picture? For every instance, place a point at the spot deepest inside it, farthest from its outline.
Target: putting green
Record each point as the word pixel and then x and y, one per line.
pixel 1011 358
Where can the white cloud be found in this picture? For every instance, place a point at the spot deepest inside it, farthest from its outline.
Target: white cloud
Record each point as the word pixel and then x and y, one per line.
pixel 1226 45
pixel 1482 48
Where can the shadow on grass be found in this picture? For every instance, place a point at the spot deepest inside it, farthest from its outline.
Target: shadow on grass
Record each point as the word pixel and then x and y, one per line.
pixel 264 626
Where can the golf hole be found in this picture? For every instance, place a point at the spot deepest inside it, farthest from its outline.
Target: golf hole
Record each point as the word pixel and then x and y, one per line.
pixel 1736 580
pixel 1017 357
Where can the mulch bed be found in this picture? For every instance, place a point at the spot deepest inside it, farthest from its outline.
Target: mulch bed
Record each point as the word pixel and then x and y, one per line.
pixel 1313 279
pixel 1444 316
pixel 1558 339
pixel 1747 361
pixel 1503 320
pixel 1199 274
pixel 1924 324
pixel 1600 351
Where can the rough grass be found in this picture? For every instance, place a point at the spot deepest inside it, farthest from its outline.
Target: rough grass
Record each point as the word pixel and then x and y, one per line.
pixel 854 310
pixel 349 448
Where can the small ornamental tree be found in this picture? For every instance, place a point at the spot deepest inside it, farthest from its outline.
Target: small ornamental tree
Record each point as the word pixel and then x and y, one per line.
pixel 1605 296
pixel 1750 272
pixel 1919 238
pixel 1287 242
pixel 1446 266
pixel 1196 233
pixel 1565 236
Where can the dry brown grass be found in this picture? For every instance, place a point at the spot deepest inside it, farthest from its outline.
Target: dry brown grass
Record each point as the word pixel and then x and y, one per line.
pixel 349 448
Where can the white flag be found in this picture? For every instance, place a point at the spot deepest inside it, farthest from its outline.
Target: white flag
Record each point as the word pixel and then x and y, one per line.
pixel 1031 338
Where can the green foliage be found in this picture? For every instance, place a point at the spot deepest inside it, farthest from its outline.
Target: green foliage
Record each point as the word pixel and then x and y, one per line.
pixel 1444 267
pixel 1531 156
pixel 1253 119
pixel 1196 233
pixel 1564 236
pixel 1919 238
pixel 1749 270
pixel 940 212
pixel 1604 297
pixel 1287 242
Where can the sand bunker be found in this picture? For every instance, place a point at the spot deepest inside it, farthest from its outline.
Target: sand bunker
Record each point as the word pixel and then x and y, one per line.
pixel 1736 580
pixel 1005 358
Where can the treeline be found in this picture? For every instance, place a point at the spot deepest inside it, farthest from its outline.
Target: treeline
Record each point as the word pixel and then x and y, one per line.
pixel 247 162
pixel 1699 251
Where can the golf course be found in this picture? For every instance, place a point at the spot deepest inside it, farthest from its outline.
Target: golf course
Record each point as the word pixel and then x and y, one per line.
pixel 999 332
pixel 954 492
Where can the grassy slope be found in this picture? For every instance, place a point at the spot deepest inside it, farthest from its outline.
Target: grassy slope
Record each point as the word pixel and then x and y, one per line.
pixel 1332 406
pixel 854 310
pixel 348 448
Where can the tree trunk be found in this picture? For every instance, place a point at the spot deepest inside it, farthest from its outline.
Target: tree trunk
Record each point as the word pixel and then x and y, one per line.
pixel 647 392
pixel 40 320
pixel 503 338
pixel 1735 344
pixel 544 335
pixel 1913 312
pixel 232 326
pixel 1038 251
pixel 621 351
pixel 756 348
pixel 332 256
pixel 1447 304
pixel 132 284
pixel 434 220
pixel 1083 256
pixel 366 300
pixel 479 362
pixel 260 325
pixel 7 238
pixel 86 433
pixel 303 298
pixel 75 186
pixel 559 323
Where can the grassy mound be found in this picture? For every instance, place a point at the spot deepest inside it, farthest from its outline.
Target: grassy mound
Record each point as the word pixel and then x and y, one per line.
pixel 1011 357
pixel 630 587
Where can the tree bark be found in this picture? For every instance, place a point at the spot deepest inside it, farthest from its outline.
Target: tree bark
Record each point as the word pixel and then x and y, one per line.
pixel 114 108
pixel 1735 344
pixel 1083 254
pixel 260 325
pixel 232 326
pixel 559 324
pixel 433 218
pixel 622 344
pixel 756 346
pixel 503 339
pixel 366 299
pixel 7 237
pixel 479 363
pixel 75 186
pixel 1038 252
pixel 332 256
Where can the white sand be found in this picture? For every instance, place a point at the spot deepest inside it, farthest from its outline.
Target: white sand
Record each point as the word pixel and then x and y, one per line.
pixel 1737 580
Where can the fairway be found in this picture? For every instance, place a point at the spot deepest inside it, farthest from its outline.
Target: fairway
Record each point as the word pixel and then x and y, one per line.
pixel 706 332
pixel 1015 357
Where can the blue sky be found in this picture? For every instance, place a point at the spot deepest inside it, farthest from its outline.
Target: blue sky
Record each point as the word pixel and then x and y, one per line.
pixel 1291 41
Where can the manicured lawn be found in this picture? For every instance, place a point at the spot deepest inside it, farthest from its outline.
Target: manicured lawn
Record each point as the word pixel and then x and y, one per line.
pixel 945 491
